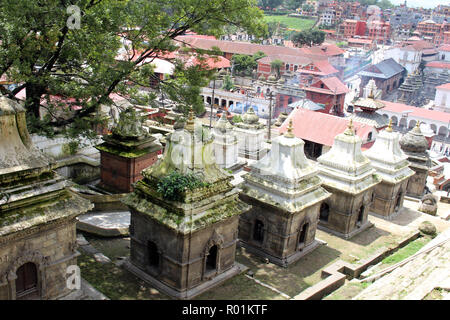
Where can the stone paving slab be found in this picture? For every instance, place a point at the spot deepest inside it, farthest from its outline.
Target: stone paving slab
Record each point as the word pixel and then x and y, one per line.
pixel 105 224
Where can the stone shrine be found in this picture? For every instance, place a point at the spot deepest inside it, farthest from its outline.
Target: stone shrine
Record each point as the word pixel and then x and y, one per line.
pixel 225 143
pixel 392 166
pixel 184 242
pixel 37 215
pixel 415 146
pixel 285 193
pixel 126 152
pixel 250 134
pixel 349 176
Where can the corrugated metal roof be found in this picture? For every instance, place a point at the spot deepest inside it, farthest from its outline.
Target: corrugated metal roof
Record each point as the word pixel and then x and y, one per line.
pixel 388 68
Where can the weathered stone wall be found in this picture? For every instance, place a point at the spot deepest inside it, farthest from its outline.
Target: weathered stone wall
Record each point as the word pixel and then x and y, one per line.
pixel 385 197
pixel 281 229
pixel 52 248
pixel 416 184
pixel 344 210
pixel 182 258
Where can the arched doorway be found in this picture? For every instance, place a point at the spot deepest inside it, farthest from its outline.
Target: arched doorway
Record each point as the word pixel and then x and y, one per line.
pixel 211 259
pixel 394 120
pixel 27 282
pixel 258 231
pixel 303 233
pixel 398 201
pixel 324 212
pixel 153 254
pixel 360 215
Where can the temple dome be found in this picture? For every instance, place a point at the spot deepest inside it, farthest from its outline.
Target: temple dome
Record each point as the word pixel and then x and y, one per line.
pixel 414 141
pixel 250 117
pixel 223 124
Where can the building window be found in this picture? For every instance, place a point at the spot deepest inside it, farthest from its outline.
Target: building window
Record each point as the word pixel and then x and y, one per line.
pixel 324 212
pixel 303 233
pixel 27 280
pixel 153 254
pixel 258 232
pixel 211 259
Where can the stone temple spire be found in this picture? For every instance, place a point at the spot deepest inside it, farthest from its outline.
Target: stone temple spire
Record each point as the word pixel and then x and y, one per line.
pixel 349 176
pixel 392 166
pixel 286 193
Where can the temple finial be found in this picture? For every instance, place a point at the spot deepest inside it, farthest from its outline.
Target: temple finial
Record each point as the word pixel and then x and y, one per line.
pixel 289 133
pixel 389 128
pixel 349 130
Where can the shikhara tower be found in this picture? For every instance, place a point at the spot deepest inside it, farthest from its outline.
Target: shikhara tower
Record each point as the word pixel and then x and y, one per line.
pixel 392 166
pixel 186 245
pixel 285 192
pixel 349 176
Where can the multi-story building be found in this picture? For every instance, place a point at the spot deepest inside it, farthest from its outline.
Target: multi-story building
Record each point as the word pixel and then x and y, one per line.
pixel 350 28
pixel 409 53
pixel 380 31
pixel 436 33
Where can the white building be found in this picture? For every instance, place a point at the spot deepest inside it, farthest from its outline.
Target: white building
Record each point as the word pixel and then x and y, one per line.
pixel 444 53
pixel 442 98
pixel 327 17
pixel 408 54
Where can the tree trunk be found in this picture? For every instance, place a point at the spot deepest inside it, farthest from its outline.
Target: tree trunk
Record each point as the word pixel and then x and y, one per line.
pixel 33 99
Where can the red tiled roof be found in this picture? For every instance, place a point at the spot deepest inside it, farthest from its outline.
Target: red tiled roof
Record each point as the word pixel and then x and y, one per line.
pixel 416 112
pixel 445 86
pixel 333 86
pixel 237 47
pixel 251 48
pixel 300 60
pixel 326 49
pixel 325 67
pixel 356 40
pixel 445 47
pixel 320 127
pixel 438 64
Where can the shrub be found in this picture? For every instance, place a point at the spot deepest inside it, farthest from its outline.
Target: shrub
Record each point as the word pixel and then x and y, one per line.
pixel 175 184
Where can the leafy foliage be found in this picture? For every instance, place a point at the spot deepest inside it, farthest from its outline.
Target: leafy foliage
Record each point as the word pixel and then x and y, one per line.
pixel 175 184
pixel 227 83
pixel 276 65
pixel 245 64
pixel 45 57
pixel 308 37
pixel 269 4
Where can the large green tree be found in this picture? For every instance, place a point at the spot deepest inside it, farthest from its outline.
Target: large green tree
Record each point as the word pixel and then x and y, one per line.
pixel 245 64
pixel 49 50
pixel 271 4
pixel 308 37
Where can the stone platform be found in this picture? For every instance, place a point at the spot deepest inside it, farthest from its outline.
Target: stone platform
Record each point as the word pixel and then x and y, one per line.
pixel 105 224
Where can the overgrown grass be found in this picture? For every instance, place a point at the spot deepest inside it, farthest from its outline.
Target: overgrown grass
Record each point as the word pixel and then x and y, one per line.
pixel 407 251
pixel 294 23
pixel 114 282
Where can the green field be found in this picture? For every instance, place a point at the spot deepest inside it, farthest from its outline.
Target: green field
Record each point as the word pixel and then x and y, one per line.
pixel 292 22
